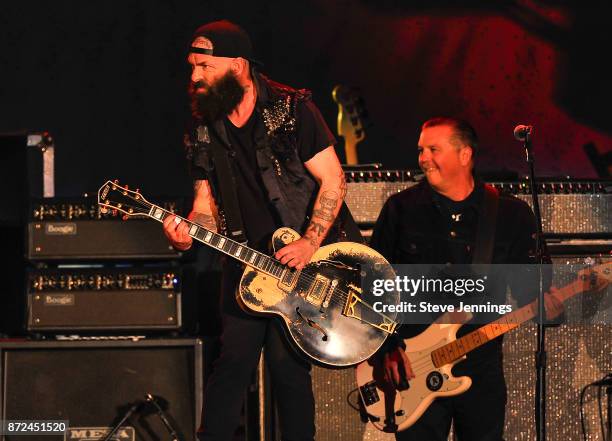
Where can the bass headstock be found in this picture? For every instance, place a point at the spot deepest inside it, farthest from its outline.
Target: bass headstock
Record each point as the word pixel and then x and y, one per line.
pixel 352 117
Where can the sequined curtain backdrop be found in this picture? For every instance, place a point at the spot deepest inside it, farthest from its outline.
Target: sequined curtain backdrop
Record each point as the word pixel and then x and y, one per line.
pixel 578 355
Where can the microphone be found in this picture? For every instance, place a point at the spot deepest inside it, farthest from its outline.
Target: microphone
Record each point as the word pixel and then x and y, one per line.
pixel 521 132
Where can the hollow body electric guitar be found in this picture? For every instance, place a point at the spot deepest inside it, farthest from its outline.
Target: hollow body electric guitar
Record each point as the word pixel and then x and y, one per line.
pixel 435 351
pixel 323 309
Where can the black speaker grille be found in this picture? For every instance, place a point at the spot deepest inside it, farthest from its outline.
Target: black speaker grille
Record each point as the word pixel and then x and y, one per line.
pixel 91 384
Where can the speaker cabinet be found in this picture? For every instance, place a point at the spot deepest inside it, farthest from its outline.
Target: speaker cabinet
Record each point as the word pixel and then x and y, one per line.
pixel 91 384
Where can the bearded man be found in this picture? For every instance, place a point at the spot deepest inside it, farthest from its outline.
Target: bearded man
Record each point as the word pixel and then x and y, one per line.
pixel 262 158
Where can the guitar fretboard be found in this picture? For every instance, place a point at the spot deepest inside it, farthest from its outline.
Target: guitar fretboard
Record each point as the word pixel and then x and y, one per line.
pixel 454 350
pixel 247 255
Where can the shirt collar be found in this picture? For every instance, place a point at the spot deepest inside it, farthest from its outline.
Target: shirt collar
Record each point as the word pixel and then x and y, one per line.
pixel 427 195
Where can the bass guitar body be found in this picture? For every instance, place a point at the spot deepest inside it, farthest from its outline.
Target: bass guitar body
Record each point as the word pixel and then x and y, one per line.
pixel 391 410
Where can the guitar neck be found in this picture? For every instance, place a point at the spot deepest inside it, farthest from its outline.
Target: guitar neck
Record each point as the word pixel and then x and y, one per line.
pixel 243 253
pixel 350 150
pixel 456 349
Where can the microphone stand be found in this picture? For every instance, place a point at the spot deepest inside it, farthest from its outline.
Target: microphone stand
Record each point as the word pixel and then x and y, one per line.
pixel 540 355
pixel 138 407
pixel 133 408
pixel 162 416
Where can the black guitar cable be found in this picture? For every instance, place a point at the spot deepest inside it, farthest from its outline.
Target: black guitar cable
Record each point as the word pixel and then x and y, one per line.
pixel 582 392
pixel 601 418
pixel 605 382
pixel 348 400
pixel 360 407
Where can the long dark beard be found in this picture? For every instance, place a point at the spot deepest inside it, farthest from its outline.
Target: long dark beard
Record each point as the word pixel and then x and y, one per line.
pixel 218 101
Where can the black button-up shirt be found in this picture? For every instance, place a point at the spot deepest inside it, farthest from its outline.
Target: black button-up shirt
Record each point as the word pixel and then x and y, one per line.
pixel 420 226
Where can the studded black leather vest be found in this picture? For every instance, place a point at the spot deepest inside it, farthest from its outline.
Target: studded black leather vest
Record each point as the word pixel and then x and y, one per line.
pixel 290 188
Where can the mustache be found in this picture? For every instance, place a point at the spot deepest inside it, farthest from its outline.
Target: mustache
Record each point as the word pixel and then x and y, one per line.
pixel 193 87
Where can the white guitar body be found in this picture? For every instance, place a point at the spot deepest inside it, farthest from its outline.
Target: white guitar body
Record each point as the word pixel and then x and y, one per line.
pixel 392 410
pixel 433 354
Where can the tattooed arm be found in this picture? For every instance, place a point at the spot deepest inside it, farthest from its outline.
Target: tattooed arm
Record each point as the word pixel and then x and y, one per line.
pixel 326 169
pixel 204 212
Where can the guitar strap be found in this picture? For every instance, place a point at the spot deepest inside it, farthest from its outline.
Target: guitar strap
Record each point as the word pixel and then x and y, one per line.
pixel 485 232
pixel 227 188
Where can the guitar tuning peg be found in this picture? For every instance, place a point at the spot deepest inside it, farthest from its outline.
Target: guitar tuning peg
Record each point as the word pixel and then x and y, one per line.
pixel 116 181
pixel 114 212
pixel 138 190
pixel 126 186
pixel 125 217
pixel 103 210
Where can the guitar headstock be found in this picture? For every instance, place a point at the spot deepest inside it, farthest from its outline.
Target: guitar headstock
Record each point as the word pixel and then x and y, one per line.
pixel 351 119
pixel 117 198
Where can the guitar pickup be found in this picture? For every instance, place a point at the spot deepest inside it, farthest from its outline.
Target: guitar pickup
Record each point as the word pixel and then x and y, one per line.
pixel 369 394
pixel 318 290
pixel 289 279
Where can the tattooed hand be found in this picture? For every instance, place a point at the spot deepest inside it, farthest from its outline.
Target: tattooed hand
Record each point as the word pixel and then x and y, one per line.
pixel 297 254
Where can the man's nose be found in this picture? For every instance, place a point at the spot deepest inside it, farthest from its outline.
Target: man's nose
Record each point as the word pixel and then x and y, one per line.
pixel 196 76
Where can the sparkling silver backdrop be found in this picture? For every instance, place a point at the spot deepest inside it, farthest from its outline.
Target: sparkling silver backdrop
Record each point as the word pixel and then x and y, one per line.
pixel 577 355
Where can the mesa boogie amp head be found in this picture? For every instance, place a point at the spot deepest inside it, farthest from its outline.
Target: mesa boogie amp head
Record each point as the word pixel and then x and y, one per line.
pixel 104 299
pixel 76 229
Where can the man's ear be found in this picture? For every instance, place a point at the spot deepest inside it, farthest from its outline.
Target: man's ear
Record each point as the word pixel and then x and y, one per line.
pixel 238 65
pixel 465 155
